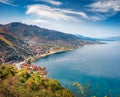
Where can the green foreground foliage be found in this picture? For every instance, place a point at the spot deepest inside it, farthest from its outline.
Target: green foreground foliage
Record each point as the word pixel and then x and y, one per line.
pixel 19 83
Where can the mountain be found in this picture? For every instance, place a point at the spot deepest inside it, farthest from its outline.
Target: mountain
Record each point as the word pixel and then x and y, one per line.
pixel 18 41
pixel 12 48
pixel 35 34
pixel 117 38
pixel 86 38
pixel 94 39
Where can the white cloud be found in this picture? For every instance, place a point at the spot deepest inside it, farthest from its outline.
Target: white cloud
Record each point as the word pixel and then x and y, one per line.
pixel 35 21
pixel 97 11
pixel 40 21
pixel 8 2
pixel 44 11
pixel 105 8
pixel 82 14
pixel 53 2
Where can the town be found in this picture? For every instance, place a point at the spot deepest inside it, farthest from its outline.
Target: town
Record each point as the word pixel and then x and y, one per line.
pixel 31 68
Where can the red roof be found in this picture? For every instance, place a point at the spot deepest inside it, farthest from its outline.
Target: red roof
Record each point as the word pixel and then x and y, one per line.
pixel 39 67
pixel 34 67
pixel 25 64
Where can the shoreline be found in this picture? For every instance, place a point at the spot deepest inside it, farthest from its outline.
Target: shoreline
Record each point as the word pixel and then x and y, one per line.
pixel 52 52
pixel 47 54
pixel 55 52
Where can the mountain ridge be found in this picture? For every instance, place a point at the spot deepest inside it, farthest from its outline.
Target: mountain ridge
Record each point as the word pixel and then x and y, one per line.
pixel 31 40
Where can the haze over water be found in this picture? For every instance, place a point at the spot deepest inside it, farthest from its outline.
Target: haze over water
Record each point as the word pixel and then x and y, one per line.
pixel 98 64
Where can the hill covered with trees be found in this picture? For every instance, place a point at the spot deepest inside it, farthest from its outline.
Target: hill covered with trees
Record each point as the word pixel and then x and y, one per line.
pixel 20 83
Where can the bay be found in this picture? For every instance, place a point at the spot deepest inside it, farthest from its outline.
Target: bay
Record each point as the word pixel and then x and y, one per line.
pixel 98 64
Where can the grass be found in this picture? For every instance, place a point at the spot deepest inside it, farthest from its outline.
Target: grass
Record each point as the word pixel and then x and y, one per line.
pixel 6 41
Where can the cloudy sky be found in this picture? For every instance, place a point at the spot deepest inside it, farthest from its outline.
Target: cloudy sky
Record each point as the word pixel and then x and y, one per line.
pixel 94 18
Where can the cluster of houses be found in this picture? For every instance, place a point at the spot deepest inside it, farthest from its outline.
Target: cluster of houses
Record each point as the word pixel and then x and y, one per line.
pixel 31 68
pixel 36 49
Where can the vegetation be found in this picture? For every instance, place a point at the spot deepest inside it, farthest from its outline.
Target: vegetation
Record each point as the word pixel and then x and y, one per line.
pixel 19 83
pixel 86 90
pixel 6 41
pixel 19 41
pixel 83 90
pixel 12 48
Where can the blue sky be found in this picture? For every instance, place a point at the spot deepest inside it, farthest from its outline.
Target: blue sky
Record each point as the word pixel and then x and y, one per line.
pixel 94 18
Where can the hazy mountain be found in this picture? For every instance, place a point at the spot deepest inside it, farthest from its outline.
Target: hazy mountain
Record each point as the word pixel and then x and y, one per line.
pixel 86 38
pixel 95 39
pixel 117 38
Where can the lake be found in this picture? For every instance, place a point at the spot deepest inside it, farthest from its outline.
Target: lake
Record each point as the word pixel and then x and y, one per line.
pixel 98 64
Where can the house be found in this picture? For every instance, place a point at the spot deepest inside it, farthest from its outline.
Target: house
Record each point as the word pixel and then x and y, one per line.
pixel 33 67
pixel 25 65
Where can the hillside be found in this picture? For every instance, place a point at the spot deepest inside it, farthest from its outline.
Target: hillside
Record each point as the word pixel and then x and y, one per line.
pixel 19 41
pixel 35 34
pixel 12 48
pixel 19 83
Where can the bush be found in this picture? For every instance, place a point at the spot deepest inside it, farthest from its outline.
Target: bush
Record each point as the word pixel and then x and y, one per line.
pixel 14 83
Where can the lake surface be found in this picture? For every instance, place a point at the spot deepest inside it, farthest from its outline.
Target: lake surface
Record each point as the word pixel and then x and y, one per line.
pixel 98 64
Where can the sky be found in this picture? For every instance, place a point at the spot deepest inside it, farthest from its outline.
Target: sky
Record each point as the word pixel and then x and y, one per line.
pixel 93 18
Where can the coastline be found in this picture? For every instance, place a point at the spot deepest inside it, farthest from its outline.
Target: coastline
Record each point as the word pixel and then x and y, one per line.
pixel 54 52
pixel 47 54
pixel 51 51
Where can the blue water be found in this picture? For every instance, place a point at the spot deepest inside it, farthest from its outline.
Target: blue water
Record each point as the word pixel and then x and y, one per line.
pixel 98 64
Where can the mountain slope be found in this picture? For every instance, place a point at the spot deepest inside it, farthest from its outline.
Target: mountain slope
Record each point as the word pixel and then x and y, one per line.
pixel 27 32
pixel 25 40
pixel 12 48
pixel 6 41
